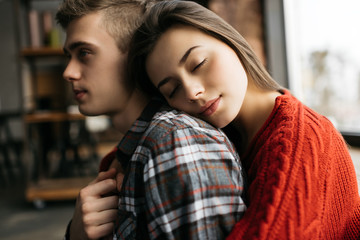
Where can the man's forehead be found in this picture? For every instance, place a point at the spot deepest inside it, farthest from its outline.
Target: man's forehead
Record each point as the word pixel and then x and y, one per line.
pixel 86 25
pixel 85 32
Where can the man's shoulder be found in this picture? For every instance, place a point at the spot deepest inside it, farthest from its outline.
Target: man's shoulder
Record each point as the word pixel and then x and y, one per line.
pixel 171 129
pixel 175 119
pixel 172 123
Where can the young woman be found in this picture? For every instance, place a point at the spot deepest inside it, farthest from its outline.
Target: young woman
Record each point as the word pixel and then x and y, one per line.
pixel 302 179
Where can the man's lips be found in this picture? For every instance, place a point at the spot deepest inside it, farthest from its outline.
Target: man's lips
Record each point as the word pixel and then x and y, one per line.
pixel 79 93
pixel 210 107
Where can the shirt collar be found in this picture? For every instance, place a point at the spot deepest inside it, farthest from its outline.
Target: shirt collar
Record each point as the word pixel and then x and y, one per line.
pixel 129 142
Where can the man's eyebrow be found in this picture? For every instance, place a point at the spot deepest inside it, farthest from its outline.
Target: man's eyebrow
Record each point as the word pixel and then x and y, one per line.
pixel 182 60
pixel 74 45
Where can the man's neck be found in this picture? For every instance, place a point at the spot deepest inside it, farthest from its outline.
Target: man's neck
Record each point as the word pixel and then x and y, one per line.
pixel 124 120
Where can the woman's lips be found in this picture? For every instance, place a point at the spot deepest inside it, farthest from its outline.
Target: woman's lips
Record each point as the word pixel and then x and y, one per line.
pixel 210 107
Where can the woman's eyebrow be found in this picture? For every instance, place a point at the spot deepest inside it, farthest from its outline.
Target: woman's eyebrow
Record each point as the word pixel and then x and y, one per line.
pixel 182 61
pixel 163 82
pixel 186 55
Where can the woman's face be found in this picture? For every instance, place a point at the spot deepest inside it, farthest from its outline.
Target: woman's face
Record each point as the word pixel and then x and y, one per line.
pixel 198 74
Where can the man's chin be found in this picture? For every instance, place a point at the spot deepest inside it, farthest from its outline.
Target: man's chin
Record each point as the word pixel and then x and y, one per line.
pixel 89 112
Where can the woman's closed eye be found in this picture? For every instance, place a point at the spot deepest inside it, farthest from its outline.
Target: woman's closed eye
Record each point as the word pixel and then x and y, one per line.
pixel 199 65
pixel 176 88
pixel 172 93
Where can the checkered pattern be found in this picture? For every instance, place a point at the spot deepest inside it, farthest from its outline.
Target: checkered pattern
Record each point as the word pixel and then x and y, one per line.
pixel 183 179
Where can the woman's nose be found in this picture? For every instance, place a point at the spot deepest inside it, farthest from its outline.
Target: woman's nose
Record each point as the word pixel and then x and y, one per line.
pixel 71 72
pixel 193 91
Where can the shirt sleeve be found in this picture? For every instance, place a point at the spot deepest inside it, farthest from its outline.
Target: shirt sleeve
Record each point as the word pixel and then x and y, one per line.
pixel 193 185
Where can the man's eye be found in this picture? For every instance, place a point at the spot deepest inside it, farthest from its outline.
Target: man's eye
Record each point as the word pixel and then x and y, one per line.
pixel 83 53
pixel 199 65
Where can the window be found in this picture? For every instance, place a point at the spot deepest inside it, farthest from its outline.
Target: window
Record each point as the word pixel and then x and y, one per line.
pixel 322 56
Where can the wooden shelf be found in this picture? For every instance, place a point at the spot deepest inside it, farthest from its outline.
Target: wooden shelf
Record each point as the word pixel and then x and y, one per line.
pixel 56 189
pixel 52 117
pixel 42 51
pixel 51 132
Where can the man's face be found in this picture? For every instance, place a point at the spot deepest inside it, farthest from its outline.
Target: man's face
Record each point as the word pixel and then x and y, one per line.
pixel 96 67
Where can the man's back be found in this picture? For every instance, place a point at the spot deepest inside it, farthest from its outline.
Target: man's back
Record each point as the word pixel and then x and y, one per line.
pixel 183 180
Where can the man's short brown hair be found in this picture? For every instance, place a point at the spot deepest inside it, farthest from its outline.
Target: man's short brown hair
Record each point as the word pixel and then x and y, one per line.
pixel 120 18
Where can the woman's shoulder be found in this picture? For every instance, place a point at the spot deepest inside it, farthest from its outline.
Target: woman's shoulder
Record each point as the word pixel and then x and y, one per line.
pixel 302 117
pixel 294 122
pixel 300 126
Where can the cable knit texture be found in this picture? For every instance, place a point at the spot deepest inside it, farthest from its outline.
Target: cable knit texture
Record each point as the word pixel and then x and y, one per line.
pixel 302 179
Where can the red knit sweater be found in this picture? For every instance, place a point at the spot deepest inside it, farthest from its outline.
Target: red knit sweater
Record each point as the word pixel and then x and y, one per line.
pixel 302 179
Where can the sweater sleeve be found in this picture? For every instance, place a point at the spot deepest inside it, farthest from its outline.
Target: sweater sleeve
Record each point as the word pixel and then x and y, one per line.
pixel 274 177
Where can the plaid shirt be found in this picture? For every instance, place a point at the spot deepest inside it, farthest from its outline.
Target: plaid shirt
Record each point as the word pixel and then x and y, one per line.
pixel 183 179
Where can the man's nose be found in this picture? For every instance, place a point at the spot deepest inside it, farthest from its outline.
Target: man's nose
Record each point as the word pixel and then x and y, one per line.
pixel 71 72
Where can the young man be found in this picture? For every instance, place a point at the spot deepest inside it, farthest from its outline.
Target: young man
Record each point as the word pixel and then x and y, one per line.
pixel 182 177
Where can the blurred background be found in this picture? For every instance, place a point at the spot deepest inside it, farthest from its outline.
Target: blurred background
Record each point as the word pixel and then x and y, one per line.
pixel 49 151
